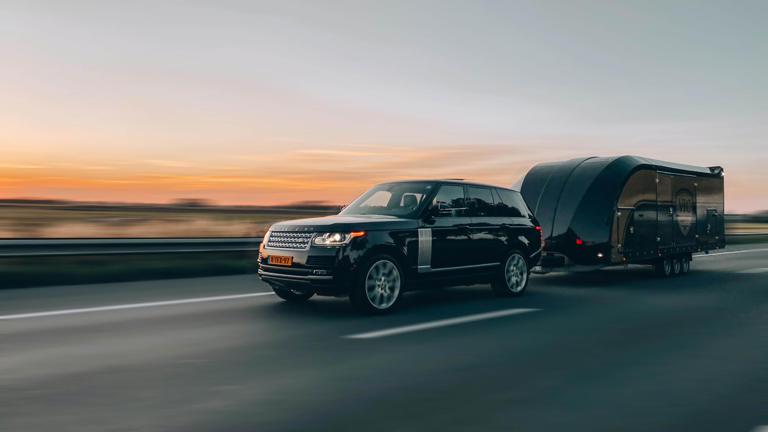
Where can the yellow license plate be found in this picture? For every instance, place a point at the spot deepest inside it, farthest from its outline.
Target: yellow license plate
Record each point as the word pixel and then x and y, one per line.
pixel 280 260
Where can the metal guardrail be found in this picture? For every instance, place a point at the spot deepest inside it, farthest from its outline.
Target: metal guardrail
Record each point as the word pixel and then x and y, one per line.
pixel 122 246
pixel 10 248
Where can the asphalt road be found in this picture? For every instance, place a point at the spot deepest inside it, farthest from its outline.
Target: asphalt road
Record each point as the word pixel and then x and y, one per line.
pixel 612 350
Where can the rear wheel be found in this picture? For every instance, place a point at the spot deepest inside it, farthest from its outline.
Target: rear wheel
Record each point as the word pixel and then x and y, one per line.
pixel 293 296
pixel 512 279
pixel 378 286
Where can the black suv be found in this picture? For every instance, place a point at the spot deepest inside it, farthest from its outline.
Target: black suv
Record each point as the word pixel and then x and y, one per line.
pixel 419 233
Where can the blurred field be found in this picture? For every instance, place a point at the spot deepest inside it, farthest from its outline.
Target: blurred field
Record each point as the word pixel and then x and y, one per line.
pixel 61 219
pixel 41 271
pixel 746 227
pixel 83 220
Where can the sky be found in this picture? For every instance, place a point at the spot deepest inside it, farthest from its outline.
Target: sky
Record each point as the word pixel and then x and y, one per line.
pixel 260 102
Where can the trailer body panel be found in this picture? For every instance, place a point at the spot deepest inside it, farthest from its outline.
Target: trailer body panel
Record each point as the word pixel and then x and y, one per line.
pixel 600 211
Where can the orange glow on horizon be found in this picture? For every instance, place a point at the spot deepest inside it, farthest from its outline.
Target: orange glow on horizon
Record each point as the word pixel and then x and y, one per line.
pixel 334 175
pixel 331 175
pixel 287 174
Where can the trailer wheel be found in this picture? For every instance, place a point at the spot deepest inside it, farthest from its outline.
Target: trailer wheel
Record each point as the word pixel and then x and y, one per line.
pixel 664 267
pixel 677 264
pixel 685 266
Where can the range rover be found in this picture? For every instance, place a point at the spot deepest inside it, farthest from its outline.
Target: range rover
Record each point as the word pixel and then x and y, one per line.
pixel 404 235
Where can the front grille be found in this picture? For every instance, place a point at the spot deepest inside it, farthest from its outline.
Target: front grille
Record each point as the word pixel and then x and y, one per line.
pixel 321 260
pixel 289 240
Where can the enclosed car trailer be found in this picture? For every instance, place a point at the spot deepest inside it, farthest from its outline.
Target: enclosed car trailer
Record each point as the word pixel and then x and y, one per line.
pixel 599 211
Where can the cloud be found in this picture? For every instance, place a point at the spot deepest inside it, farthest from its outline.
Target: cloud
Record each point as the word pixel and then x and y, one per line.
pixel 21 166
pixel 341 152
pixel 171 163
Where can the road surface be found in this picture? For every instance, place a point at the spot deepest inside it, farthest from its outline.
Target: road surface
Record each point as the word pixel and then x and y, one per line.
pixel 612 350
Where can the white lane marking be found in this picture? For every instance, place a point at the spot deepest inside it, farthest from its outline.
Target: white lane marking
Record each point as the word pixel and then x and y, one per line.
pixel 130 306
pixel 731 252
pixel 439 323
pixel 756 270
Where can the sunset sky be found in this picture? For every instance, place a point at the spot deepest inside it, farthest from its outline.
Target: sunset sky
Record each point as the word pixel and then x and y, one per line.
pixel 277 102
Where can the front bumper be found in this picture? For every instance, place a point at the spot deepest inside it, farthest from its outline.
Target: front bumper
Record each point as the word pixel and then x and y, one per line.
pixel 322 270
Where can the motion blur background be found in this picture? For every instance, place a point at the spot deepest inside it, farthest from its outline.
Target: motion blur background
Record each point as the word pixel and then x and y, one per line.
pixel 147 119
pixel 123 120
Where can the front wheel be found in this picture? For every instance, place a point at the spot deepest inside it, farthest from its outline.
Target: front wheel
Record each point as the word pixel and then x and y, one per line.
pixel 378 286
pixel 512 279
pixel 292 296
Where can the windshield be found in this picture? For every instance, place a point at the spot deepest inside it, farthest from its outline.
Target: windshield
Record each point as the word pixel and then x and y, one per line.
pixel 403 199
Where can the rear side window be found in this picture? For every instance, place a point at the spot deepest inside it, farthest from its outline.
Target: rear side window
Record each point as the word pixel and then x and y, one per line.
pixel 513 203
pixel 481 201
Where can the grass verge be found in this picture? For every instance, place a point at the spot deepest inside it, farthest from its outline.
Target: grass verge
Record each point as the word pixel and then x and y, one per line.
pixel 42 271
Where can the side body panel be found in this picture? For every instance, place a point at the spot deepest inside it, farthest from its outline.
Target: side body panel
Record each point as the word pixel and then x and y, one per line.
pixel 635 227
pixel 710 226
pixel 684 213
pixel 450 236
pixel 660 213
pixel 664 212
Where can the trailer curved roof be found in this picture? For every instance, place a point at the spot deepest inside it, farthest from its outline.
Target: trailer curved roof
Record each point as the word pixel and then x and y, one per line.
pixel 578 196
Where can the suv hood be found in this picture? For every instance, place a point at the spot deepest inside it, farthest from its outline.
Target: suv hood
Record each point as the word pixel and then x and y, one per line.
pixel 342 223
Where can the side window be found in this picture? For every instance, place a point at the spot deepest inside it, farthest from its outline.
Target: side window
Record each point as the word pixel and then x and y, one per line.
pixel 411 200
pixel 450 201
pixel 517 207
pixel 481 201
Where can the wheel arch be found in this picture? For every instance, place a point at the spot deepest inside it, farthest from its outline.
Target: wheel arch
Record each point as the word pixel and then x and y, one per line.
pixel 391 250
pixel 517 241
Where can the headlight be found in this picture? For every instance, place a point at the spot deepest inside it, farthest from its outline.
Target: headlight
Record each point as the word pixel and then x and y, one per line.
pixel 264 241
pixel 336 238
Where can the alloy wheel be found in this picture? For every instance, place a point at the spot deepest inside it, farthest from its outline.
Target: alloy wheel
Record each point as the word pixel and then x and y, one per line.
pixel 382 284
pixel 516 273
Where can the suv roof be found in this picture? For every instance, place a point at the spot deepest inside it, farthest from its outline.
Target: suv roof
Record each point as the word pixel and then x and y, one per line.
pixel 454 181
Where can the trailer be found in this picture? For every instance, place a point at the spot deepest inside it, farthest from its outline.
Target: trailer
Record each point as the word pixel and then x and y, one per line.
pixel 601 211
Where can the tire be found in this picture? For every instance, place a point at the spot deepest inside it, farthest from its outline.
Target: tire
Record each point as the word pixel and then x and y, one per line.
pixel 685 265
pixel 292 296
pixel 512 278
pixel 664 267
pixel 378 286
pixel 677 265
